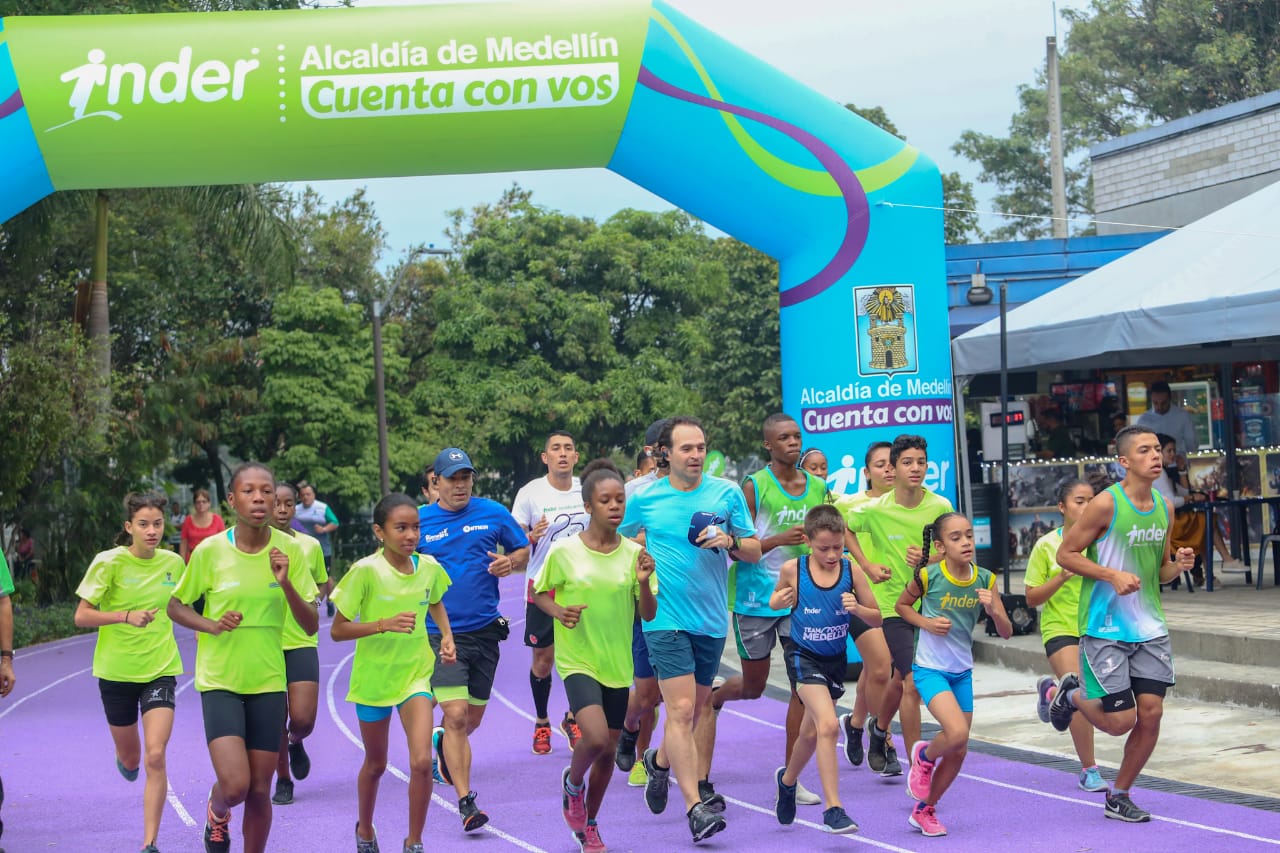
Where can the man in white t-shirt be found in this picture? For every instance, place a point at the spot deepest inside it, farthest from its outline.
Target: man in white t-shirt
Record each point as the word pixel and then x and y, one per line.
pixel 1173 421
pixel 549 509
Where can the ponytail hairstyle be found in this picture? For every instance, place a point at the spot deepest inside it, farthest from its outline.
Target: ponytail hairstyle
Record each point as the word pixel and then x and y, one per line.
pixel 1067 486
pixel 933 533
pixel 135 502
pixel 596 472
pixel 389 502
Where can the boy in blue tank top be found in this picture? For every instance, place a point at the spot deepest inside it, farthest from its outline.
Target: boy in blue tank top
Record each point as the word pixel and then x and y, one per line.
pixel 1125 653
pixel 822 589
pixel 952 593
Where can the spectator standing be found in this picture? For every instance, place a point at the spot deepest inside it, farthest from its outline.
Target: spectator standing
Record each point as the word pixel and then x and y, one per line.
pixel 202 523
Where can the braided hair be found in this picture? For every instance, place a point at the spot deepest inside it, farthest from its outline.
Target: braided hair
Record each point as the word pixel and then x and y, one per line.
pixel 932 533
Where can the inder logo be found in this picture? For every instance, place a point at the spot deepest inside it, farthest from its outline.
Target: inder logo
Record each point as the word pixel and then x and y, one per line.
pixel 98 87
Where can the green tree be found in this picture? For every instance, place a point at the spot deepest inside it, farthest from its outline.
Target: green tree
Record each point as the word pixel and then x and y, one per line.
pixel 1127 64
pixel 960 223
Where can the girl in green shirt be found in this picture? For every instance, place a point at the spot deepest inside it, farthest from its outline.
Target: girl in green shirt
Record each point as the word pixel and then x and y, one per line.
pixel 382 603
pixel 1058 594
pixel 124 594
pixel 599 580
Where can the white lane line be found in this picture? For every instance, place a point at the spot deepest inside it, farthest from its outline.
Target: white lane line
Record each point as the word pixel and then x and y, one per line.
pixel 1094 804
pixel 727 710
pixel 749 806
pixel 1077 800
pixel 36 693
pixel 57 645
pixel 396 771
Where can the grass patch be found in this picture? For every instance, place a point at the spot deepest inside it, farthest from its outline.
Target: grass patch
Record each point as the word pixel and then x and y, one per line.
pixel 41 623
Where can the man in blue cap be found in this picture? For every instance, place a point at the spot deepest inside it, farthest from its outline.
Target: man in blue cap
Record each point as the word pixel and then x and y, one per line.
pixel 464 533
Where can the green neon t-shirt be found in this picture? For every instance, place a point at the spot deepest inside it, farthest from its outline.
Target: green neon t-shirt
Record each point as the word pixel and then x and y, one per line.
pixel 599 646
pixel 1060 614
pixel 117 580
pixel 313 558
pixel 250 658
pixel 889 529
pixel 6 579
pixel 390 667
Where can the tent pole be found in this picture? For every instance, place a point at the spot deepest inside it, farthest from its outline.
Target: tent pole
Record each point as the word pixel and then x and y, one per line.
pixel 1003 504
pixel 1229 450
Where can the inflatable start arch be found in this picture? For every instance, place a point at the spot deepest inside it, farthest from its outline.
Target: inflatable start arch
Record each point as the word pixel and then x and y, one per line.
pixel 95 102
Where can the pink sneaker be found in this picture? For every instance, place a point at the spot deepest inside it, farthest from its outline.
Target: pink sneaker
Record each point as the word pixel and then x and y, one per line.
pixel 926 820
pixel 920 776
pixel 589 840
pixel 573 805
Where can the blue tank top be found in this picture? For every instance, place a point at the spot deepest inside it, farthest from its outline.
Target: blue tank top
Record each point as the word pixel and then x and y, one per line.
pixel 819 622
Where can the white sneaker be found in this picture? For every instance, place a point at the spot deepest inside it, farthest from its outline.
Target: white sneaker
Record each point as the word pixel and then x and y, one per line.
pixel 805 797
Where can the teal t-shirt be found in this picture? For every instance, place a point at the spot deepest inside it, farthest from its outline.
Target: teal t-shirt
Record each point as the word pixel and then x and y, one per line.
pixel 775 511
pixel 1134 543
pixel 957 600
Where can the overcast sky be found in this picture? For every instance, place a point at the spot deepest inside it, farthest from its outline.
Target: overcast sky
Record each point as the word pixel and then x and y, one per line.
pixel 937 67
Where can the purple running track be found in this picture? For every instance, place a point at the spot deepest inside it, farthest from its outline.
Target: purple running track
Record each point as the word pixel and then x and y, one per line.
pixel 63 791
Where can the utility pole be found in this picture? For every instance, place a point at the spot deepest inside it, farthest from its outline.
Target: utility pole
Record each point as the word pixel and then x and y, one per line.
pixel 1057 170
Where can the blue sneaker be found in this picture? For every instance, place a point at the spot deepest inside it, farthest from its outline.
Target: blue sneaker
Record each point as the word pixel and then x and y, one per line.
pixel 439 770
pixel 1091 780
pixel 131 775
pixel 784 806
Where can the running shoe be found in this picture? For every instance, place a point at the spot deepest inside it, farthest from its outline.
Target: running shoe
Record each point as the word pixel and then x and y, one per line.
pixel 852 740
pixel 624 754
pixel 328 607
pixel 150 848
pixel 805 797
pixel 299 761
pixel 920 776
pixel 472 817
pixel 876 757
pixel 415 847
pixel 638 777
pixel 284 792
pixel 569 727
pixel 925 819
pixel 707 794
pixel 835 820
pixel 589 839
pixel 1044 686
pixel 1091 780
pixel 1120 807
pixel 1061 709
pixel 573 806
pixel 129 775
pixel 217 831
pixel 655 786
pixel 784 804
pixel 542 739
pixel 439 770
pixel 703 822
pixel 366 845
pixel 891 765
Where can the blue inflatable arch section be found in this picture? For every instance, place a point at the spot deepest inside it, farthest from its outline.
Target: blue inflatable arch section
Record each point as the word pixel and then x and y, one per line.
pixel 852 213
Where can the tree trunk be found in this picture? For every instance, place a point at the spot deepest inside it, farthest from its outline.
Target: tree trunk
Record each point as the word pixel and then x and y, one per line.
pixel 211 452
pixel 99 313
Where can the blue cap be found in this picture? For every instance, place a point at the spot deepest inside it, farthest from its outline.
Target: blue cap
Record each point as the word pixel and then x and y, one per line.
pixel 451 460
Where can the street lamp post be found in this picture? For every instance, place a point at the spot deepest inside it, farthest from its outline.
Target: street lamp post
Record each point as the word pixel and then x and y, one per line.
pixel 379 376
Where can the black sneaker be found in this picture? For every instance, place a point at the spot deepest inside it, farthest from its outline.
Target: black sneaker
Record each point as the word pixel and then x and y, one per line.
pixel 299 761
pixel 624 755
pixel 784 804
pixel 1120 807
pixel 472 817
pixel 707 793
pixel 875 746
pixel 703 822
pixel 655 789
pixel 852 740
pixel 891 765
pixel 329 608
pixel 1060 708
pixel 150 848
pixel 217 832
pixel 284 792
pixel 837 821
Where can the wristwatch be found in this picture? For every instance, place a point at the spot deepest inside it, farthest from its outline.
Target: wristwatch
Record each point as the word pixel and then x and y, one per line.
pixel 734 544
pixel 6 653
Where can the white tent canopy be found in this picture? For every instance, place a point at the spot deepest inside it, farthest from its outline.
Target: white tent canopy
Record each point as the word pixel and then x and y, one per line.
pixel 1207 293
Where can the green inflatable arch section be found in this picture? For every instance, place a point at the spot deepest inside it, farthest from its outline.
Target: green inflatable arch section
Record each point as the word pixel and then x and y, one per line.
pixel 851 212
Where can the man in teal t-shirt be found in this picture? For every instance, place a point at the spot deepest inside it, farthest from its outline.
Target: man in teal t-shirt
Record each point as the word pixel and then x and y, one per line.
pixel 1124 641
